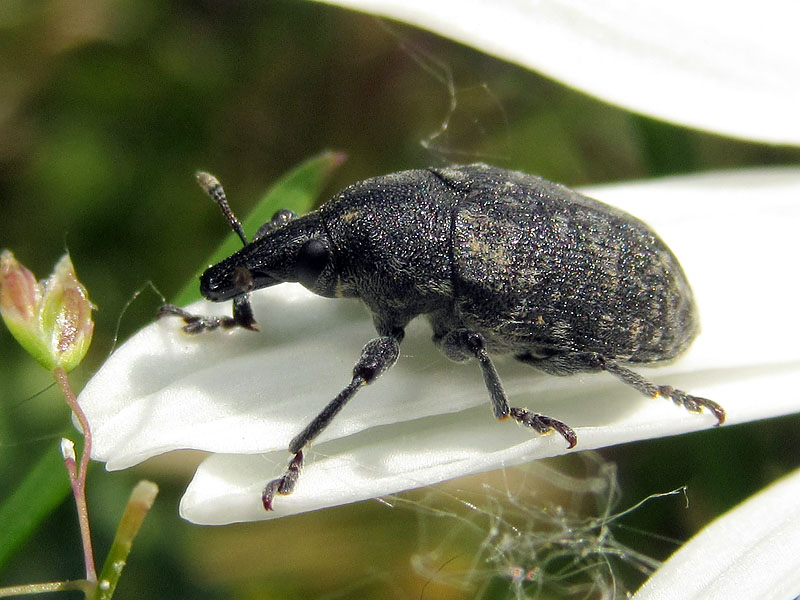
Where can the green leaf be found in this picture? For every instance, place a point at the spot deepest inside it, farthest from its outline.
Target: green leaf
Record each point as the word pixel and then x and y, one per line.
pixel 296 191
pixel 42 490
pixel 141 501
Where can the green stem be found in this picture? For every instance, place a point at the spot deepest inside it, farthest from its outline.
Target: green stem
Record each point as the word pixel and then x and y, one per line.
pixel 87 587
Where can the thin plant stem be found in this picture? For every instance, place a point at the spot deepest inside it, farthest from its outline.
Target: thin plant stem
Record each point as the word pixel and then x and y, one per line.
pixel 82 585
pixel 140 502
pixel 78 479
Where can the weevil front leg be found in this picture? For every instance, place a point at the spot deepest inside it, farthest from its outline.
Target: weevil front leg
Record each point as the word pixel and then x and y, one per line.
pixel 377 357
pixel 462 344
pixel 242 317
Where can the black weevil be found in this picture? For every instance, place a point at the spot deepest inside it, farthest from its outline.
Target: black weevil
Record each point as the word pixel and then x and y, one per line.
pixel 500 262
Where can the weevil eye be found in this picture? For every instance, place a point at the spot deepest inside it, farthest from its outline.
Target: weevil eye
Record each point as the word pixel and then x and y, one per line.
pixel 311 261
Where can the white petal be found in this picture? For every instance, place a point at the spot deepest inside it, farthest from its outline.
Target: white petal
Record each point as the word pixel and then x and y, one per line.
pixel 233 391
pixel 751 552
pixel 731 68
pixel 379 461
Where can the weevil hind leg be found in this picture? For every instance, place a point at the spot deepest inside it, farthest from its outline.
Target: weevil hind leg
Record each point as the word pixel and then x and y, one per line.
pixel 689 402
pixel 242 317
pixel 462 344
pixel 377 356
pixel 581 362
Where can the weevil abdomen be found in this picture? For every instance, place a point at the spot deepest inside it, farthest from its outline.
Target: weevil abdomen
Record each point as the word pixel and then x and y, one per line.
pixel 541 268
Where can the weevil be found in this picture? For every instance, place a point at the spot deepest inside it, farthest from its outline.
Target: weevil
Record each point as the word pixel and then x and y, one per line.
pixel 498 262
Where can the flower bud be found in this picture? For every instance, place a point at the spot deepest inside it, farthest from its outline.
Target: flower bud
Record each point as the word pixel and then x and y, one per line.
pixel 51 319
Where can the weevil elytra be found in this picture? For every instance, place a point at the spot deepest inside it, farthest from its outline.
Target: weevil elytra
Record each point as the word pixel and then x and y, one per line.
pixel 498 261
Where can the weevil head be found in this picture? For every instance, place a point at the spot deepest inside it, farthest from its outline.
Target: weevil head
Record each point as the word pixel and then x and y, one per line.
pixel 299 250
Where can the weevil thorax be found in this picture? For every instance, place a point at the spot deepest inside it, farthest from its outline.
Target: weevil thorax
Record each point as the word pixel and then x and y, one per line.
pixel 391 239
pixel 297 251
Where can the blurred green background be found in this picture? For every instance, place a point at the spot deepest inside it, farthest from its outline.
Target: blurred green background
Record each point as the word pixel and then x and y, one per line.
pixel 108 108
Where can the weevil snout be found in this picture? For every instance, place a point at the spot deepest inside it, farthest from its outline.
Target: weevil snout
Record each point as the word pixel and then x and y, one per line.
pixel 234 276
pixel 218 287
pixel 243 279
pixel 220 283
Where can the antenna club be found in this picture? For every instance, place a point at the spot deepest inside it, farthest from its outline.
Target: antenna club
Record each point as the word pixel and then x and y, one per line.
pixel 207 181
pixel 213 189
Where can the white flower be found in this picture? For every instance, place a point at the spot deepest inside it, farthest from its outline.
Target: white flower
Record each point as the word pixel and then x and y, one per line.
pixel 244 395
pixel 728 67
pixel 750 552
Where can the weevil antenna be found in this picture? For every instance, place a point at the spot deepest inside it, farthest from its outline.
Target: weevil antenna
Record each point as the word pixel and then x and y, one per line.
pixel 213 188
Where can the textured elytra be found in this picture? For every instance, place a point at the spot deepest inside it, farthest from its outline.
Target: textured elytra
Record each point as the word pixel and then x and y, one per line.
pixel 543 267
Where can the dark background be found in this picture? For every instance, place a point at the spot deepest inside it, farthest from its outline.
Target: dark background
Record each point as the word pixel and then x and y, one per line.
pixel 106 111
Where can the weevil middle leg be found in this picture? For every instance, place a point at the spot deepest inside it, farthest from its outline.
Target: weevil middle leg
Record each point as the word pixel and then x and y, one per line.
pixel 460 344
